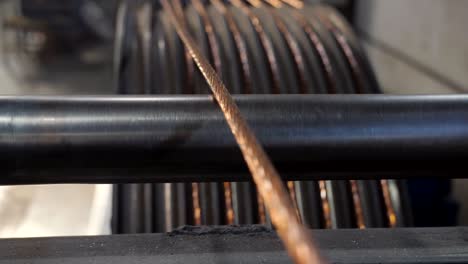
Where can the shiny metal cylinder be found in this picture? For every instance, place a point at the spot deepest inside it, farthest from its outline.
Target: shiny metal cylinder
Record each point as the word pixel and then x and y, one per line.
pixel 185 138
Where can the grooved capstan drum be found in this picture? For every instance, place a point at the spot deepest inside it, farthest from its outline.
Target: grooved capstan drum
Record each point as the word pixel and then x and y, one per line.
pixel 257 47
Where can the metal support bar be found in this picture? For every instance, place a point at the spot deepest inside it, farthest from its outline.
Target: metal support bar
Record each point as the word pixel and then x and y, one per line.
pixel 249 244
pixel 185 138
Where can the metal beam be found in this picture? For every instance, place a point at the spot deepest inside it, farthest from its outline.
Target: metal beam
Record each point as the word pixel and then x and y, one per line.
pixel 185 138
pixel 248 244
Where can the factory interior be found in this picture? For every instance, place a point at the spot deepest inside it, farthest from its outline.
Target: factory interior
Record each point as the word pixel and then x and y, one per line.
pixel 233 131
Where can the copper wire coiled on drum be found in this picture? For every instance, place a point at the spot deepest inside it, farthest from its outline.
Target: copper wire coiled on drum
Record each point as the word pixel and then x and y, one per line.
pixel 257 47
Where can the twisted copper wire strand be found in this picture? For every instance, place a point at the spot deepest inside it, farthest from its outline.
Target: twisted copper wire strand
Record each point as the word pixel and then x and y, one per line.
pixel 215 52
pixel 295 236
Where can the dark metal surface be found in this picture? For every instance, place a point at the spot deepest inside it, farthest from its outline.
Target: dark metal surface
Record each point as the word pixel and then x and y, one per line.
pixel 249 244
pixel 160 139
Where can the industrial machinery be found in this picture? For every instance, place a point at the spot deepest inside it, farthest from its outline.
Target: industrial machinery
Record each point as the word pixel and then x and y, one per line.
pixel 302 82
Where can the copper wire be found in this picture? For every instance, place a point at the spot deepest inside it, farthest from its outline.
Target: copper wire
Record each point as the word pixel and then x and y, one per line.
pixel 258 3
pixel 214 47
pixel 238 41
pixel 196 204
pixel 216 56
pixel 294 3
pixel 188 59
pixel 331 22
pixel 347 50
pixel 189 90
pixel 264 40
pixel 228 200
pixel 293 47
pixel 255 3
pixel 325 61
pixel 358 78
pixel 262 218
pixel 240 45
pixel 325 204
pixel 357 205
pixel 295 236
pixel 391 215
pixel 384 183
pixel 292 194
pixel 319 47
pixel 273 64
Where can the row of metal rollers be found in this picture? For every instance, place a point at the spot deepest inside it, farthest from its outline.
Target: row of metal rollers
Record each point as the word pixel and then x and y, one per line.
pixel 257 47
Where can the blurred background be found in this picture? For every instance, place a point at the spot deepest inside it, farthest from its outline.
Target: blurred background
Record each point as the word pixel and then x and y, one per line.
pixel 66 47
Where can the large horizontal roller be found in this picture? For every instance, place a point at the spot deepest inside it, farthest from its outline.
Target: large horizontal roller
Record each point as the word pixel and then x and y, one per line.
pixel 184 138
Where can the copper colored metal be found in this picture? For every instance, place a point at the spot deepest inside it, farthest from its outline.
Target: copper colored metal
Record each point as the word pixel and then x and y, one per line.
pixel 359 79
pixel 325 61
pixel 325 204
pixel 300 64
pixel 295 236
pixel 274 3
pixel 290 41
pixel 292 194
pixel 295 50
pixel 293 46
pixel 327 17
pixel 332 17
pixel 262 218
pixel 214 47
pixel 238 41
pixel 228 199
pixel 348 52
pixel 391 215
pixel 268 47
pixel 357 205
pixel 215 52
pixel 188 59
pixel 258 3
pixel 196 204
pixel 319 47
pixel 294 3
pixel 265 41
pixel 190 72
pixel 255 3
